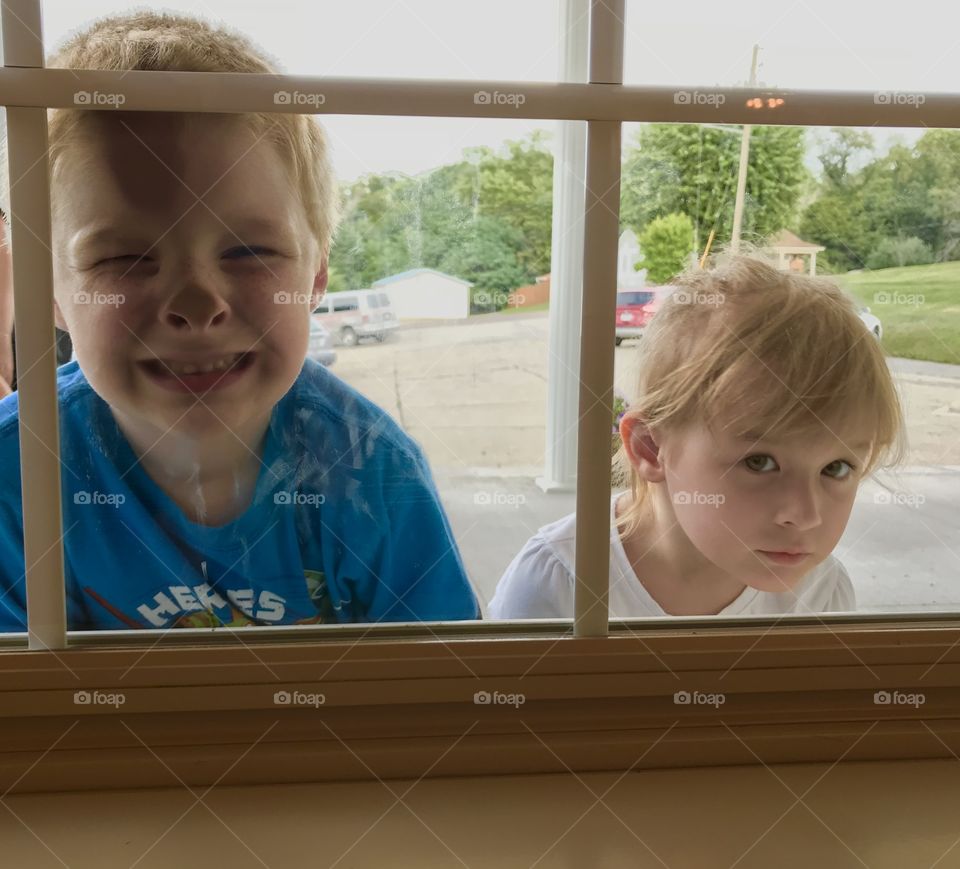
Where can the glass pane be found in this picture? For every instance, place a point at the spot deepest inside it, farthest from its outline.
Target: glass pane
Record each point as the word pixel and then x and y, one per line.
pixel 214 478
pixel 206 482
pixel 458 350
pixel 876 220
pixel 377 38
pixel 816 45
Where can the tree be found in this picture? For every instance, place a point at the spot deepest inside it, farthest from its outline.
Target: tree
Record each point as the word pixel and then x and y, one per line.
pixel 486 218
pixel 842 147
pixel 666 244
pixel 489 259
pixel 839 221
pixel 692 169
pixel 864 217
pixel 516 187
pixel 891 252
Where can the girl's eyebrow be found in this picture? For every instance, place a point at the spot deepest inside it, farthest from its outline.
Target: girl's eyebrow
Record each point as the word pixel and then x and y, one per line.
pixel 754 437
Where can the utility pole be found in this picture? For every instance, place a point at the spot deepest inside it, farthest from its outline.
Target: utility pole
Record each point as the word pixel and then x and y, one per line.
pixel 742 174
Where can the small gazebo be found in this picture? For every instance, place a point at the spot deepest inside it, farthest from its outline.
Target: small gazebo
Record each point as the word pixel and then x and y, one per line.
pixel 789 252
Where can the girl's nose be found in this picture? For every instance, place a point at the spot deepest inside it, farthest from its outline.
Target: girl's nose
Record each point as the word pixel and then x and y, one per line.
pixel 799 507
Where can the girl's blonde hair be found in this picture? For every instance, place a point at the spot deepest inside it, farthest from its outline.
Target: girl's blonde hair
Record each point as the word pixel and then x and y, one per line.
pixel 166 41
pixel 766 351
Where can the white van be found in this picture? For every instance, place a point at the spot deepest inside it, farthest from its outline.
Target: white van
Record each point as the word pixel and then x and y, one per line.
pixel 355 314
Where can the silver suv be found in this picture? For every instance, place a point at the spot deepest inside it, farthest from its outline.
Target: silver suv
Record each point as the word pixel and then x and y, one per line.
pixel 356 314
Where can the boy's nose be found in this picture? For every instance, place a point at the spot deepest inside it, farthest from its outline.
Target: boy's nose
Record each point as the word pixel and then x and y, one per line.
pixel 196 308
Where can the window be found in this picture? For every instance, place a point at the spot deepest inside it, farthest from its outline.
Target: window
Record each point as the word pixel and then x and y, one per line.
pixel 830 664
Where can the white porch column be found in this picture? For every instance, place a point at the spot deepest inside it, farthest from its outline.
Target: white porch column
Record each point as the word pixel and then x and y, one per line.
pixel 566 270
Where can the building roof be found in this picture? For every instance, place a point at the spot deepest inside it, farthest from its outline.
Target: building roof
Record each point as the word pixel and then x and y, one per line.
pixel 409 273
pixel 787 239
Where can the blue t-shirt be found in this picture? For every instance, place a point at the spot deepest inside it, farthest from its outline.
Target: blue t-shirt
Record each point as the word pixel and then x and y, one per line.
pixel 345 524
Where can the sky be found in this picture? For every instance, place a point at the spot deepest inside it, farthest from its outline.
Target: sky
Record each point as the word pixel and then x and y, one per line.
pixel 806 44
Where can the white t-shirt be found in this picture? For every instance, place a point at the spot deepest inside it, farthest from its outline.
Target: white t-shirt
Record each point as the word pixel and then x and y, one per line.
pixel 539 582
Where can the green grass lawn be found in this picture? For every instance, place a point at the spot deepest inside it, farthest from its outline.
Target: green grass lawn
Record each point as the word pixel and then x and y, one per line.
pixel 543 306
pixel 919 307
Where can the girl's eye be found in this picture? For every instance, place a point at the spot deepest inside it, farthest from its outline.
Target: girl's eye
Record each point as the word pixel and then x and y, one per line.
pixel 247 250
pixel 757 463
pixel 843 473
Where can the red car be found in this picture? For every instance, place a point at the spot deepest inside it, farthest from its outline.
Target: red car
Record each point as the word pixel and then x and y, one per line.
pixel 635 308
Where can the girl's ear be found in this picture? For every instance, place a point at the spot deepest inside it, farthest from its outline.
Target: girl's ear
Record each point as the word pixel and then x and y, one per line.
pixel 642 448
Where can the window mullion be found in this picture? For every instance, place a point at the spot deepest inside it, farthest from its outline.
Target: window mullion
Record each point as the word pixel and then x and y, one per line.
pixel 601 231
pixel 36 359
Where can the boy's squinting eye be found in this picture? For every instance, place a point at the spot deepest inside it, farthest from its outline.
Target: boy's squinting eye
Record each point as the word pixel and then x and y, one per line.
pixel 248 250
pixel 128 257
pixel 127 262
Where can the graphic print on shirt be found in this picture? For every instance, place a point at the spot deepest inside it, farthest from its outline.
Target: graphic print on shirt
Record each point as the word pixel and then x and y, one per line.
pixel 202 606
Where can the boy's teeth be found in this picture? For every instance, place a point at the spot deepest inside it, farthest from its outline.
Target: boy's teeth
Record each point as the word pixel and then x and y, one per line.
pixel 206 368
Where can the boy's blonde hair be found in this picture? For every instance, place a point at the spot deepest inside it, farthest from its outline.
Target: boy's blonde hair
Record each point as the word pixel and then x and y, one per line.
pixel 766 351
pixel 167 41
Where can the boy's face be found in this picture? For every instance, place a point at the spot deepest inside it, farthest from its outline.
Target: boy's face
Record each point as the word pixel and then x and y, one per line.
pixel 737 499
pixel 179 241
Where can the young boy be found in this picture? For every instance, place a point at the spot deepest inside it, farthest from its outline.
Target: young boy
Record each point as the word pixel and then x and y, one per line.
pixel 210 475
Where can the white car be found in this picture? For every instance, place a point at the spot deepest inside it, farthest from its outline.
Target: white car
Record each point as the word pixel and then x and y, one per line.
pixel 320 348
pixel 872 322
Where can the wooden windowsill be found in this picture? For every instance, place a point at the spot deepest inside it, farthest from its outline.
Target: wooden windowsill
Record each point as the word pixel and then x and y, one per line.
pixel 885 815
pixel 406 709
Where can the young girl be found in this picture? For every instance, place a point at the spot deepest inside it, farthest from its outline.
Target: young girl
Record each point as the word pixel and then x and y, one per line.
pixel 762 402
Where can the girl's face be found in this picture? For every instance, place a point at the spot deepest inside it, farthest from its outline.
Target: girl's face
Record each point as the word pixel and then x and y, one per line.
pixel 738 500
pixel 179 245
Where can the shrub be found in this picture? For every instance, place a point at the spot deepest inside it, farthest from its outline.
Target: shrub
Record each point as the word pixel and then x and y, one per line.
pixel 892 252
pixel 666 244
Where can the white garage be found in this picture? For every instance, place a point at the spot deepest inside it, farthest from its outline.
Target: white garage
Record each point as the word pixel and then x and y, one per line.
pixel 420 294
